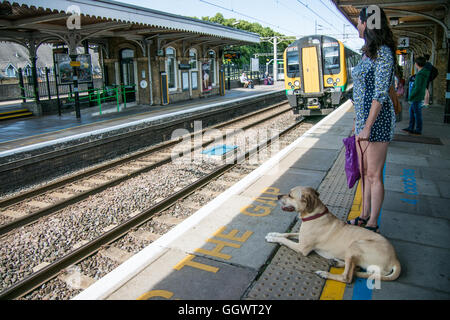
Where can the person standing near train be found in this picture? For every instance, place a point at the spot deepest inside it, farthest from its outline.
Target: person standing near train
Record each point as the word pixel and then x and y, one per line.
pixel 416 97
pixel 374 110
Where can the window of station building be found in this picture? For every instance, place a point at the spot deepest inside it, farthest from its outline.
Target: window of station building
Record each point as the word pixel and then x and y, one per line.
pixel 212 64
pixel 171 68
pixel 27 71
pixel 127 54
pixel 193 59
pixel 11 71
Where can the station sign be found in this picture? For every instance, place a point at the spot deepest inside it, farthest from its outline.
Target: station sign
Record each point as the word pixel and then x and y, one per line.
pixel 184 66
pixel 232 55
pixel 75 63
pixel 403 42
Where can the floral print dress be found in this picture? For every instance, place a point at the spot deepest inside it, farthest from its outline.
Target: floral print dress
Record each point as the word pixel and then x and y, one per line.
pixel 371 81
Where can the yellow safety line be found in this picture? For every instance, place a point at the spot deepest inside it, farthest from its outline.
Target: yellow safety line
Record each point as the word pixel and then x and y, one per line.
pixel 13 111
pixel 16 115
pixel 334 290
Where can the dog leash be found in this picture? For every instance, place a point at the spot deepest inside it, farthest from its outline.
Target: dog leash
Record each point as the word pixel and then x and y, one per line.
pixel 362 168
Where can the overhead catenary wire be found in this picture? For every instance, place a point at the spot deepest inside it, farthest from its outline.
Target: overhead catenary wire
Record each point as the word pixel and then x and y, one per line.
pixel 315 13
pixel 325 5
pixel 243 14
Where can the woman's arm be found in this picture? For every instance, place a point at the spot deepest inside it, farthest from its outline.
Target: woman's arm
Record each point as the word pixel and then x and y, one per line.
pixel 373 114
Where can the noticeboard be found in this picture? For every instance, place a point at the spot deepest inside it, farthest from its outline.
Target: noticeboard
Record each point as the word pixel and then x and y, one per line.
pixel 85 69
pixel 64 68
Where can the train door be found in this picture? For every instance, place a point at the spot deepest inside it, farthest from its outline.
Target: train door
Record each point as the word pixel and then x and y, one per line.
pixel 311 77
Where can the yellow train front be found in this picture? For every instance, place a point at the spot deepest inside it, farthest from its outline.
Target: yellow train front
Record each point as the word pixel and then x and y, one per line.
pixel 317 74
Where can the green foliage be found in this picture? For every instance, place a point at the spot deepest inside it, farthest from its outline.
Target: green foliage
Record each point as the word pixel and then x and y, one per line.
pixel 248 51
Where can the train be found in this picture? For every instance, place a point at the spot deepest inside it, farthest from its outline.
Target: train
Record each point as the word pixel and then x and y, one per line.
pixel 317 74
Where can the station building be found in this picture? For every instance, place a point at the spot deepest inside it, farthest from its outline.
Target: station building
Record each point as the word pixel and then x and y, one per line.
pixel 162 58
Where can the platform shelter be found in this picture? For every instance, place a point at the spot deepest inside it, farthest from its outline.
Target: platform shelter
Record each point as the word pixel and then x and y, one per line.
pixel 154 57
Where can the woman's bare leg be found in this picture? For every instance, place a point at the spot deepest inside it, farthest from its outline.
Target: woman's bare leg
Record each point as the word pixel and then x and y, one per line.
pixel 376 157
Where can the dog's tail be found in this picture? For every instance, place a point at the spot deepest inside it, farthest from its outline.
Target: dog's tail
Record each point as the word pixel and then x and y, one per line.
pixel 396 269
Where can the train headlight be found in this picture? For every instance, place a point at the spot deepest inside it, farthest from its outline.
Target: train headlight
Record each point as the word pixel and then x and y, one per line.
pixel 297 83
pixel 338 80
pixel 290 84
pixel 330 80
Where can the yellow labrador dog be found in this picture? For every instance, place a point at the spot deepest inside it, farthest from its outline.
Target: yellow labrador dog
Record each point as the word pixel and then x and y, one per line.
pixel 349 246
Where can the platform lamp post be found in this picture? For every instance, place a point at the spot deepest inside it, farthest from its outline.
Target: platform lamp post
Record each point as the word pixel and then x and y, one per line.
pixel 275 40
pixel 229 75
pixel 90 84
pixel 447 93
pixel 75 64
pixel 35 78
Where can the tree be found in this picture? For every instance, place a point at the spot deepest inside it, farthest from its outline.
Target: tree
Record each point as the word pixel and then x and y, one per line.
pixel 248 51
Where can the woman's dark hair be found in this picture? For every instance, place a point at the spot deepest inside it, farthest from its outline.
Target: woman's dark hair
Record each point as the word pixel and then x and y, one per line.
pixel 376 37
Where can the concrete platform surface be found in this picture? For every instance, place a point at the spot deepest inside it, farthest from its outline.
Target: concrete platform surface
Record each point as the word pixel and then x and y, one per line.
pixel 25 132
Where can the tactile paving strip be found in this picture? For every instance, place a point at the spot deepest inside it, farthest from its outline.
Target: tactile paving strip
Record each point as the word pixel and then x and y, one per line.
pixel 340 212
pixel 282 283
pixel 288 258
pixel 290 275
pixel 333 189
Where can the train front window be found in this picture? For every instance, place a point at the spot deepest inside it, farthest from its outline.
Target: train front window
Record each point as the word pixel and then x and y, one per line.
pixel 331 58
pixel 293 67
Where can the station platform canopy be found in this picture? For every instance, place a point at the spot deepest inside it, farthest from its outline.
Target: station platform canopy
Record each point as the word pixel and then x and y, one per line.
pixel 54 21
pixel 422 28
pixel 425 23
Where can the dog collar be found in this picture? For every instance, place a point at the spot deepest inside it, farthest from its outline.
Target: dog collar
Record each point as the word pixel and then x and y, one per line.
pixel 316 215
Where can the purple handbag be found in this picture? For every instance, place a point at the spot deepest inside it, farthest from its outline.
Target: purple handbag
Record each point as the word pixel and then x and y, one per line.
pixel 351 161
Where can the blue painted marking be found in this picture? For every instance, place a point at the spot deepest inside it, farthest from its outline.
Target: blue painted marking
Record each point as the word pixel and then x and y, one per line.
pixel 219 150
pixel 360 289
pixel 410 201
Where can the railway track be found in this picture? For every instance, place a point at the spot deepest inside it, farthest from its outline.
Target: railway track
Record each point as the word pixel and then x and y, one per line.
pixel 52 270
pixel 27 207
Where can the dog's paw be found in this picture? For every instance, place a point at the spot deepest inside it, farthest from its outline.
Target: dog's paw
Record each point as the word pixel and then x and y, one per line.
pixel 322 274
pixel 332 262
pixel 336 263
pixel 273 237
pixel 274 234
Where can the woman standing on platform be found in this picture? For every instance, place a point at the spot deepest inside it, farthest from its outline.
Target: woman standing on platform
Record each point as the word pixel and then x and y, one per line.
pixel 374 110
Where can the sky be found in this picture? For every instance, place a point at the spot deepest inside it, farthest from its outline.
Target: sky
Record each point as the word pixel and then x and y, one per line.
pixel 288 17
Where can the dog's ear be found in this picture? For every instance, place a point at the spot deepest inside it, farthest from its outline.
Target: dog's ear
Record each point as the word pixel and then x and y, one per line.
pixel 310 197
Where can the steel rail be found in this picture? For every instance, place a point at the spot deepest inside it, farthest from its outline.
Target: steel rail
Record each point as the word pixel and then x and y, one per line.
pixel 57 184
pixel 31 218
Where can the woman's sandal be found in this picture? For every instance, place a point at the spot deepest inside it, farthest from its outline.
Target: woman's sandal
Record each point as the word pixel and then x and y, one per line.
pixel 356 221
pixel 374 229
